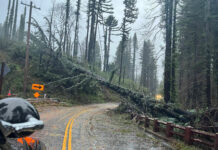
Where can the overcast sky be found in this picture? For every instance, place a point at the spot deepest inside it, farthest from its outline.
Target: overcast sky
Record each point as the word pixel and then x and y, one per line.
pixel 143 5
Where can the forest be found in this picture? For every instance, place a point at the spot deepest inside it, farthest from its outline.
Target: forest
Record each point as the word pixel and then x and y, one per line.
pixel 57 50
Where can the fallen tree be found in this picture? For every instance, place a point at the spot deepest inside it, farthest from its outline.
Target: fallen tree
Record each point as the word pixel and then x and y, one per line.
pixel 133 101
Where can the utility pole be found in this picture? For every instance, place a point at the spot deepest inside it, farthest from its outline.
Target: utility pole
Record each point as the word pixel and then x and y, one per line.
pixel 2 76
pixel 27 47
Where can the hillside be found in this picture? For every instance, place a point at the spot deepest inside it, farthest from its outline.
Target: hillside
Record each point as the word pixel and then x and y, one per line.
pixel 74 86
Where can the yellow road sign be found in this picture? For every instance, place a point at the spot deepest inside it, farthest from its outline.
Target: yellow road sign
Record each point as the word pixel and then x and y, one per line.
pixel 38 87
pixel 36 95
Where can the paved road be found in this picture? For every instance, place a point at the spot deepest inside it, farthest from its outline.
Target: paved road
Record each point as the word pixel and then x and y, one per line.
pixel 92 128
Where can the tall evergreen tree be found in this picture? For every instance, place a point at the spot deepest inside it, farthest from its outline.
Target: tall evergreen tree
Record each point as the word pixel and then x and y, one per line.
pixel 87 28
pixel 97 56
pixel 197 25
pixel 105 49
pixel 15 21
pixel 214 33
pixel 97 9
pixel 149 68
pixel 76 37
pixel 11 18
pixel 6 24
pixel 67 12
pixel 110 25
pixel 174 38
pixel 127 61
pixel 135 48
pixel 208 50
pixel 22 26
pixel 92 31
pixel 130 15
pixel 167 71
pixel 103 6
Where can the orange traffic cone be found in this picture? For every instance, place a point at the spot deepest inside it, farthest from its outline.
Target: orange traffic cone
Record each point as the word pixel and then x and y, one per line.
pixel 9 93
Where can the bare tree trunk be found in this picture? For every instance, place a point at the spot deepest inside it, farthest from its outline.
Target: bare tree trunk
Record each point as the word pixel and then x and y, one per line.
pixel 167 72
pixel 108 51
pixel 96 29
pixel 92 34
pixel 173 84
pixel 50 37
pixel 121 60
pixel 122 50
pixel 76 37
pixel 105 50
pixel 208 55
pixel 87 35
pixel 124 72
pixel 66 25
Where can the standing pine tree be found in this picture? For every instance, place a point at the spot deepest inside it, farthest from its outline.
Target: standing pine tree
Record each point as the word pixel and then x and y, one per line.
pixel 135 48
pixel 214 32
pixel 97 56
pixel 130 15
pixel 174 38
pixel 87 28
pixel 208 51
pixel 127 61
pixel 149 68
pixel 167 71
pixel 76 37
pixel 10 23
pixel 6 24
pixel 15 21
pixel 92 32
pixel 66 25
pixel 22 26
pixel 111 24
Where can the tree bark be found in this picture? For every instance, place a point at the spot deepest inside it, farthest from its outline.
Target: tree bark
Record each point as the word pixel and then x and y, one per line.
pixel 87 34
pixel 208 53
pixel 76 37
pixel 167 72
pixel 92 33
pixel 173 84
pixel 108 51
pixel 105 50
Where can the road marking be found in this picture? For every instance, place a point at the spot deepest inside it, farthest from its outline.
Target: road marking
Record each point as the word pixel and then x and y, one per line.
pixel 69 113
pixel 65 136
pixel 70 135
pixel 70 124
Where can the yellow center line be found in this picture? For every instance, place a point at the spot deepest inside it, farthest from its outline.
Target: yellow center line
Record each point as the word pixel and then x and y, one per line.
pixel 67 115
pixel 65 135
pixel 70 123
pixel 70 135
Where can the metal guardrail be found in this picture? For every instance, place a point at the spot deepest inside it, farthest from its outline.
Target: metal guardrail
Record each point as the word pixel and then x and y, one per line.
pixel 188 134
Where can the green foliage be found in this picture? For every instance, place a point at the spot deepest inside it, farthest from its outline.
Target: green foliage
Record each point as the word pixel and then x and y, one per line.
pixel 196 85
pixel 182 146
